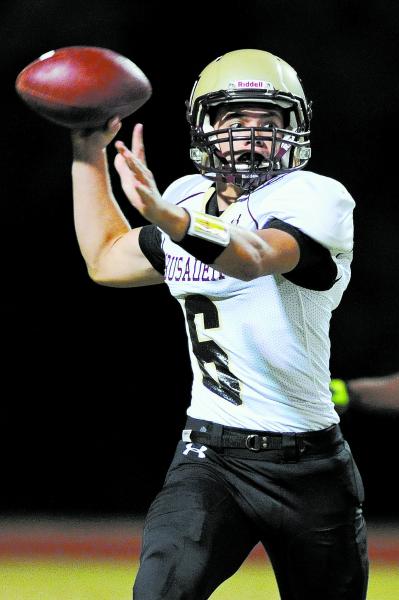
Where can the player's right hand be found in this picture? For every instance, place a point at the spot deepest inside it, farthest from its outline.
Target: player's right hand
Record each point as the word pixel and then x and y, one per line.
pixel 88 142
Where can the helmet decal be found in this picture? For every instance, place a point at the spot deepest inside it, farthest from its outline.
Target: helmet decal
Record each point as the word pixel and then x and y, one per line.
pixel 242 84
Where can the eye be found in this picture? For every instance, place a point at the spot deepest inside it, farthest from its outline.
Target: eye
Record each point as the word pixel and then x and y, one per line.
pixel 235 125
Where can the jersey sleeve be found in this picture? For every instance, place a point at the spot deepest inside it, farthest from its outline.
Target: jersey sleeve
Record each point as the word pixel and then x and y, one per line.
pixel 318 206
pixel 316 269
pixel 150 242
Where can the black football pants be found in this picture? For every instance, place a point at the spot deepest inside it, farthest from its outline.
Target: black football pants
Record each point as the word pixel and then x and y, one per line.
pixel 217 504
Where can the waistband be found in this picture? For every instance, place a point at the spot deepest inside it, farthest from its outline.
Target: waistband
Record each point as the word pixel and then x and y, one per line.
pixel 233 439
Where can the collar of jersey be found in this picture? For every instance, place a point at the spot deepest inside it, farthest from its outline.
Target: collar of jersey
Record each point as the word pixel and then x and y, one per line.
pixel 267 183
pixel 212 207
pixel 210 197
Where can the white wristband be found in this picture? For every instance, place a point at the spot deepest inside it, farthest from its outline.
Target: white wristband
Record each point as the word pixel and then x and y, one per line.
pixel 208 227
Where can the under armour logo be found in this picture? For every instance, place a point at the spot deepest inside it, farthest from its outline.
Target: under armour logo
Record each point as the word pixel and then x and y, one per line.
pixel 199 451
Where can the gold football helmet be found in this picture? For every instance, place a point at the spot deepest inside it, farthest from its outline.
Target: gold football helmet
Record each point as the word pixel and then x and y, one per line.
pixel 249 76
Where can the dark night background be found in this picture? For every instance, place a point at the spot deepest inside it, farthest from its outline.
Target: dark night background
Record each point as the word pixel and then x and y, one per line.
pixel 96 380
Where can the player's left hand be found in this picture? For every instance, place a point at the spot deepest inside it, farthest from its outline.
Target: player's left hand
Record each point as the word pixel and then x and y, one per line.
pixel 139 185
pixel 137 181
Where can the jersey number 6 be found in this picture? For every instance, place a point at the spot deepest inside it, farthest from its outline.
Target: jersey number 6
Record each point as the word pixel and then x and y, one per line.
pixel 227 386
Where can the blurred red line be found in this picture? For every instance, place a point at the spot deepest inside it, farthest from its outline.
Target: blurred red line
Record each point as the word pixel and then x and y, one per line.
pixel 128 548
pixel 91 547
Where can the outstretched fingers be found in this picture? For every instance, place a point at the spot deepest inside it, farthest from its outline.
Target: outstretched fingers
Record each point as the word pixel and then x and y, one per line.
pixel 138 143
pixel 140 170
pixel 146 194
pixel 137 180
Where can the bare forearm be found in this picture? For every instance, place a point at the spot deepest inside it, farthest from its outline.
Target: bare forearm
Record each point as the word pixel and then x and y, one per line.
pixel 376 393
pixel 247 256
pixel 250 255
pixel 98 218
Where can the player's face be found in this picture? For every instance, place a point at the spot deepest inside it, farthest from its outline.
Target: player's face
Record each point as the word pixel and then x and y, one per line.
pixel 247 116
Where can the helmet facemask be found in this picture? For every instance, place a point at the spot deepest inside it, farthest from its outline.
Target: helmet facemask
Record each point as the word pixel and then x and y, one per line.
pixel 290 146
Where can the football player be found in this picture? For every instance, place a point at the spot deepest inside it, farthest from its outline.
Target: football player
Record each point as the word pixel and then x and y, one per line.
pixel 257 251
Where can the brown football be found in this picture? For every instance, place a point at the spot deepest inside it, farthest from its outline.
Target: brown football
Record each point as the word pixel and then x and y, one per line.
pixel 83 86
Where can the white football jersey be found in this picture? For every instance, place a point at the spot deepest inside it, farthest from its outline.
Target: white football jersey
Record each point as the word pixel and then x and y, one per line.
pixel 260 349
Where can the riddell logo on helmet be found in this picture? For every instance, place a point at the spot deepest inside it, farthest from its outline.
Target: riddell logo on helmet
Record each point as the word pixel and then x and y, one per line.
pixel 251 83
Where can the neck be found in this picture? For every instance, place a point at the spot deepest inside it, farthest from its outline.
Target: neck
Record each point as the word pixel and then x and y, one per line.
pixel 227 193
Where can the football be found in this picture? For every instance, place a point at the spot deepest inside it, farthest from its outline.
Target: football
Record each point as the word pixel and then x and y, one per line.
pixel 83 86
